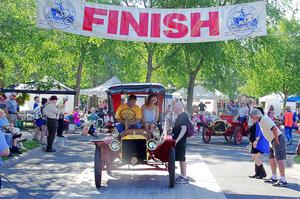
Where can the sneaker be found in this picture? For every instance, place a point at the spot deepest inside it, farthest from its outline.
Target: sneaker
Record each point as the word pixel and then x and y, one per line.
pixel 280 183
pixel 182 180
pixel 180 176
pixel 271 181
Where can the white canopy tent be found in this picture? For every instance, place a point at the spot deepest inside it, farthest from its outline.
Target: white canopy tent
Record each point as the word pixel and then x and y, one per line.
pixel 276 101
pixel 199 93
pixel 100 90
pixel 56 86
pixel 202 94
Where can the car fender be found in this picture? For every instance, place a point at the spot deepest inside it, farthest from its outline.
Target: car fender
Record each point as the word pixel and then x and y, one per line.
pixel 106 153
pixel 163 149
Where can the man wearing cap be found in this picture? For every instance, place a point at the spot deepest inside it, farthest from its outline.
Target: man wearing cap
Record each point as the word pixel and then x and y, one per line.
pixel 129 115
pixel 51 112
pixel 278 150
pixel 12 108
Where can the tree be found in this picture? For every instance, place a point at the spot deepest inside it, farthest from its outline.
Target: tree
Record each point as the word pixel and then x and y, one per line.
pixel 276 62
pixel 194 58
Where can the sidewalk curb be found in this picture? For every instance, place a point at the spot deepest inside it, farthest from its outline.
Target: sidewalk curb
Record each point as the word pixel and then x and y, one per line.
pixel 18 159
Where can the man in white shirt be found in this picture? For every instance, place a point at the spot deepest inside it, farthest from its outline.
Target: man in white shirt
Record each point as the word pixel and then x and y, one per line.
pixel 278 149
pixel 51 112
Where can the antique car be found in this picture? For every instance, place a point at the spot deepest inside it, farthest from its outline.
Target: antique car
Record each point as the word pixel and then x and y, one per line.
pixel 228 127
pixel 135 147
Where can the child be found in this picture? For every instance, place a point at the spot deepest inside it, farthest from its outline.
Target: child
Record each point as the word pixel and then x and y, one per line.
pixel 76 117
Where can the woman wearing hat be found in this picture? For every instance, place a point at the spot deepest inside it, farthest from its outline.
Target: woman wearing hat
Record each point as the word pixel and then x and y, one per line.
pixel 51 112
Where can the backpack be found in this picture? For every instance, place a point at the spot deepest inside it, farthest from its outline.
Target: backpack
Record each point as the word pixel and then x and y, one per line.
pixel 190 132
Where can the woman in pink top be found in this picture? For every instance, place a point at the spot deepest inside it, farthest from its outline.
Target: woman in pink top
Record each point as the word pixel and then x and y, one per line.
pixel 76 117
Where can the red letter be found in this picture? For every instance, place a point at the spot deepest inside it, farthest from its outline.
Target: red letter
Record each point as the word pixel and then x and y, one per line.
pixel 127 19
pixel 182 29
pixel 212 24
pixel 113 17
pixel 155 25
pixel 89 18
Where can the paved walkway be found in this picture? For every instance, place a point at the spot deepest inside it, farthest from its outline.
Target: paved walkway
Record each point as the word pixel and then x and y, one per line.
pixel 69 174
pixel 217 170
pixel 146 184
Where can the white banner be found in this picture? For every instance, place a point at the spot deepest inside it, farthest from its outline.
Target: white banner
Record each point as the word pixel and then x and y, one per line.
pixel 153 25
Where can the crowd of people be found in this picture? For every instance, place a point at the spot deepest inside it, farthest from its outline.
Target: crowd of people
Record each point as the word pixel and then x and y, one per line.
pixel 49 120
pixel 265 134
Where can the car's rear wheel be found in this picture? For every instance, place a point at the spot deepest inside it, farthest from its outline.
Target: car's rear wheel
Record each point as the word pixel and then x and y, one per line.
pixel 238 135
pixel 171 167
pixel 206 135
pixel 98 167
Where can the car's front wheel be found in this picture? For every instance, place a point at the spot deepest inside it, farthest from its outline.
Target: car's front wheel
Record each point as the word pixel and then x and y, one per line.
pixel 171 167
pixel 98 167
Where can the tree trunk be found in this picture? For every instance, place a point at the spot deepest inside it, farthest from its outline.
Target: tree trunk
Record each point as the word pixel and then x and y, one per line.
pixel 284 97
pixel 149 66
pixel 2 74
pixel 94 98
pixel 298 148
pixel 190 94
pixel 78 81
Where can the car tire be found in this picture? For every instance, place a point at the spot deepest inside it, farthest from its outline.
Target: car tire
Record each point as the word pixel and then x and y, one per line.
pixel 171 167
pixel 238 135
pixel 206 135
pixel 98 167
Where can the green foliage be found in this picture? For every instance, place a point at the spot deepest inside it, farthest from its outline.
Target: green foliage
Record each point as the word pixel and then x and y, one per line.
pixel 255 66
pixel 30 144
pixel 297 159
pixel 275 64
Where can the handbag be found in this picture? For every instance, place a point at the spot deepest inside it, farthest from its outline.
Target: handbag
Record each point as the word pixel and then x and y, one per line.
pixel 263 144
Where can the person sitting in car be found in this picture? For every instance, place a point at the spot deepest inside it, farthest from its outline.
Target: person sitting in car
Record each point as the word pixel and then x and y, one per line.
pixel 150 113
pixel 243 112
pixel 129 115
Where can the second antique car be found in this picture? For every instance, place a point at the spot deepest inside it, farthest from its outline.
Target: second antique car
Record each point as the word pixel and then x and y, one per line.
pixel 135 146
pixel 228 127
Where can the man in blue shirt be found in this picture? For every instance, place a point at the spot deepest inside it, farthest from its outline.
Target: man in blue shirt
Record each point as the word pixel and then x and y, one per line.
pixel 4 149
pixel 12 107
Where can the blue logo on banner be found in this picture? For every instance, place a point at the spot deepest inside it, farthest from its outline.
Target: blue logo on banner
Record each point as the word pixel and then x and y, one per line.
pixel 243 20
pixel 59 14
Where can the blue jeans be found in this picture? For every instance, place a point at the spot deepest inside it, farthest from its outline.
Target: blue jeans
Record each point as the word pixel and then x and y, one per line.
pixel 242 119
pixel 121 127
pixel 288 132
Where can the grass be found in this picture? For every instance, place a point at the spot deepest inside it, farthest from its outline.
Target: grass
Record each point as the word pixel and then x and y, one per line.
pixel 297 159
pixel 28 145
